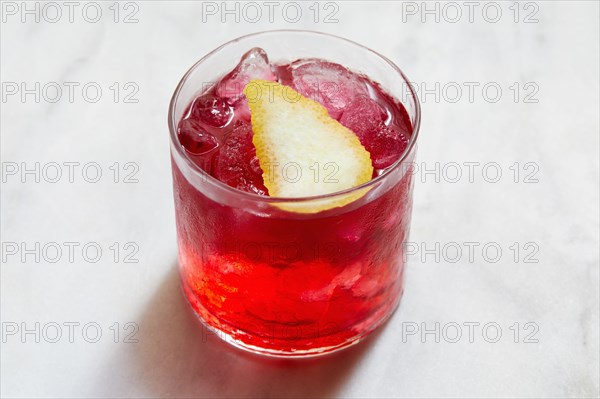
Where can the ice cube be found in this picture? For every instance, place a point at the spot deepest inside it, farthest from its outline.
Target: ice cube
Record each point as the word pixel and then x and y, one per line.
pixel 385 145
pixel 253 65
pixel 343 280
pixel 212 110
pixel 237 164
pixel 242 110
pixel 194 138
pixel 366 119
pixel 332 85
pixel 372 281
pixel 363 116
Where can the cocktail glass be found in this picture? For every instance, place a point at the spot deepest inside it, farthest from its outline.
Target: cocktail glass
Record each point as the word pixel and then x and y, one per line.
pixel 284 283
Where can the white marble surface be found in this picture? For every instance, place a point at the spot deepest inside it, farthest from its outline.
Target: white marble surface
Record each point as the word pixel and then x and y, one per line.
pixel 559 213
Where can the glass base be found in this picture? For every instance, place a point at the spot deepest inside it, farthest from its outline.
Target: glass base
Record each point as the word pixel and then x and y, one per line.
pixel 274 353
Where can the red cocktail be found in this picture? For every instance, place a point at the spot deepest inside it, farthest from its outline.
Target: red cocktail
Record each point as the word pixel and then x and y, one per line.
pixel 265 276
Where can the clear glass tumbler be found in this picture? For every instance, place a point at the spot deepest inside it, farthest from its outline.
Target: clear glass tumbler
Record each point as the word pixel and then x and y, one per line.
pixel 284 283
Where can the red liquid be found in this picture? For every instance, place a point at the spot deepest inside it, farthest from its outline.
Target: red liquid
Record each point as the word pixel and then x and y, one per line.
pixel 290 283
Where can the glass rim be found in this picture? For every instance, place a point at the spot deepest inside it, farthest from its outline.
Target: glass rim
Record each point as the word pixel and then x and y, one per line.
pixel 244 194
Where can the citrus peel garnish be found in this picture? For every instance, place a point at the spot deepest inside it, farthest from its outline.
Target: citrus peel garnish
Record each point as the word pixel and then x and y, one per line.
pixel 302 151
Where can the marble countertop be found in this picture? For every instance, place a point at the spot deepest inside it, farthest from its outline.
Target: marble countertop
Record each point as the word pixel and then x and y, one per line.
pixel 504 263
